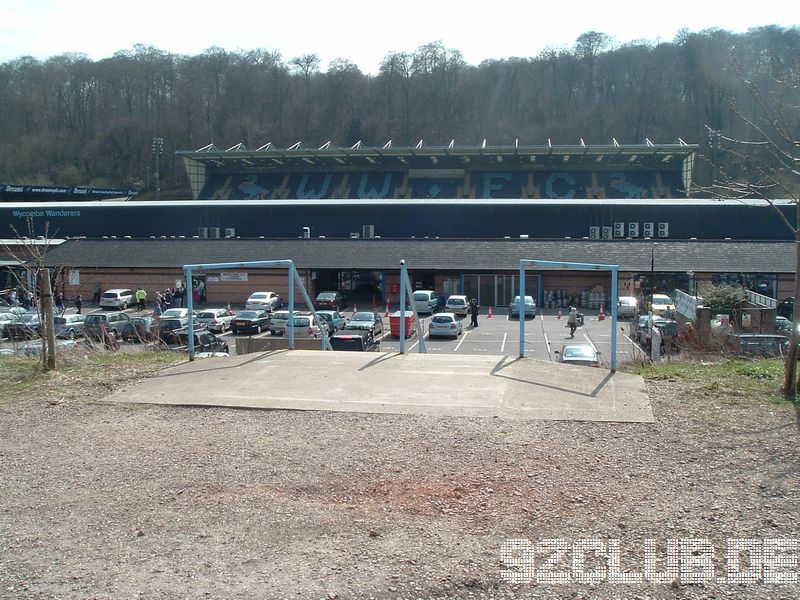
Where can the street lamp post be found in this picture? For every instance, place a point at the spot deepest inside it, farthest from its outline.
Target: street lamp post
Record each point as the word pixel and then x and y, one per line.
pixel 652 274
pixel 158 150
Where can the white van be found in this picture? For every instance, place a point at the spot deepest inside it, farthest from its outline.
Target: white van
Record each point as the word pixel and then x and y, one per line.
pixel 425 301
pixel 458 305
pixel 120 299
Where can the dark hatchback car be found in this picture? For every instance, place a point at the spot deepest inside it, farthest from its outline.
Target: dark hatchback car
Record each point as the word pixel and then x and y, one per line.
pixel 140 329
pixel 369 321
pixel 165 330
pixel 204 341
pixel 250 321
pixel 331 300
pixel 25 327
pixel 355 341
pixel 758 345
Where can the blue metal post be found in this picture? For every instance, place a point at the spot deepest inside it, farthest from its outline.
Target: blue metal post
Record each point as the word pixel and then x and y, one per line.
pixel 190 306
pixel 521 309
pixel 291 307
pixel 402 307
pixel 614 277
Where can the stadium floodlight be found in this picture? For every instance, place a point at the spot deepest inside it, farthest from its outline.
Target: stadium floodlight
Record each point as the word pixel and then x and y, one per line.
pixel 158 150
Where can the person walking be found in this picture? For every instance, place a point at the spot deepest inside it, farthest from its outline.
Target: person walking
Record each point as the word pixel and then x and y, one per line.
pixel 78 303
pixel 141 298
pixel 572 321
pixel 474 309
pixel 98 290
pixel 60 303
pixel 167 299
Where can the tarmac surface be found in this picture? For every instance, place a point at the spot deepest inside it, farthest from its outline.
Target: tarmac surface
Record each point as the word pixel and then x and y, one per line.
pixel 442 385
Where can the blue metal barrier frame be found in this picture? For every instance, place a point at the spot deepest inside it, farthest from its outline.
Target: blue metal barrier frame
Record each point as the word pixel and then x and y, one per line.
pixel 614 269
pixel 406 293
pixel 294 278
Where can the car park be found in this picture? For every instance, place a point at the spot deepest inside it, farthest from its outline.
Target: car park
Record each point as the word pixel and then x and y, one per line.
pixel 354 340
pixel 278 321
pixel 530 307
pixel 303 327
pixel 334 319
pixel 579 354
pixel 96 325
pixel 333 300
pixel 445 324
pixel 366 320
pixel 268 301
pixel 627 307
pixel 69 326
pixel 250 321
pixel 786 308
pixel 140 329
pixel 457 304
pixel 120 299
pixel 662 304
pixel 216 319
pixel 425 301
pixel 204 342
pixel 26 327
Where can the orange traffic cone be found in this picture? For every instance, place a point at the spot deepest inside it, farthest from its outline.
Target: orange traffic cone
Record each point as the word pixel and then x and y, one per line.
pixel 558 316
pixel 490 315
pixel 387 311
pixel 602 315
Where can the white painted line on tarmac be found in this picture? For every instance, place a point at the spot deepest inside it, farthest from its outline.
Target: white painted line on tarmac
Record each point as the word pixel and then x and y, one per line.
pixel 503 346
pixel 547 343
pixel 461 341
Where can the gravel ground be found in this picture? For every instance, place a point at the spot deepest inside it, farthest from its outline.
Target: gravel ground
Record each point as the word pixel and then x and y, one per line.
pixel 109 501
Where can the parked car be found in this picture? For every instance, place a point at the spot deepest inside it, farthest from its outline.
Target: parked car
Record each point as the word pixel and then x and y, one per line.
pixel 166 328
pixel 426 301
pixel 669 333
pixel 445 324
pixel 278 321
pixel 120 299
pixel 759 345
pixel 140 329
pixel 786 308
pixel 175 313
pixel 268 301
pixel 783 325
pixel 661 304
pixel 250 321
pixel 216 319
pixel 638 327
pixel 627 307
pixel 69 326
pixel 579 354
pixel 458 305
pixel 369 321
pixel 9 314
pixel 204 342
pixel 353 340
pixel 530 307
pixel 332 300
pixel 26 327
pixel 96 324
pixel 334 319
pixel 303 327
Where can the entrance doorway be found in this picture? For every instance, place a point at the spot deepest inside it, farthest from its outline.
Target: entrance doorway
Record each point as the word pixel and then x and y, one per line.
pixel 498 289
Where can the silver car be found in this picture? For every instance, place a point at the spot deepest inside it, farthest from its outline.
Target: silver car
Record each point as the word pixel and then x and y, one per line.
pixel 277 324
pixel 627 307
pixel 216 319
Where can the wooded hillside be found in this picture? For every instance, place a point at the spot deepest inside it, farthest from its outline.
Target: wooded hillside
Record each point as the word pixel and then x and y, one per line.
pixel 72 121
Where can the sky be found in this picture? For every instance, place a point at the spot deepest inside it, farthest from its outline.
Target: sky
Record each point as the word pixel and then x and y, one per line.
pixel 360 31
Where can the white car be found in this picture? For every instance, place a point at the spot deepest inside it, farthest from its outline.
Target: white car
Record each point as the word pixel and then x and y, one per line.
pixel 627 307
pixel 457 304
pixel 264 301
pixel 216 319
pixel 120 299
pixel 304 327
pixel 176 313
pixel 445 324
pixel 425 301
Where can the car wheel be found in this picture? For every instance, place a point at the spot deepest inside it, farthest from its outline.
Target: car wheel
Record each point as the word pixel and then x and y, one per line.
pixel 71 334
pixel 258 328
pixel 124 306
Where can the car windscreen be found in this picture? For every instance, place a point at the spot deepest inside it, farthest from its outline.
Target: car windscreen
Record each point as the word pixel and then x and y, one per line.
pixel 442 319
pixel 247 314
pixel 258 296
pixel 302 322
pixel 326 296
pixel 421 296
pixel 206 315
pixel 363 316
pixel 578 352
pixel 627 301
pixel 281 314
pixel 110 295
pixel 661 301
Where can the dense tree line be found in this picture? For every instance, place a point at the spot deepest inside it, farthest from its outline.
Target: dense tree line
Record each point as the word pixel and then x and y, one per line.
pixel 69 120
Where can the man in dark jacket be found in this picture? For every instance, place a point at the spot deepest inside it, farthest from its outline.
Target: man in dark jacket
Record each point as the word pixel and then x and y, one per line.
pixel 474 309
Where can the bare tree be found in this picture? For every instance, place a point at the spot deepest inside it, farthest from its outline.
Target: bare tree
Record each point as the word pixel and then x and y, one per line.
pixel 765 163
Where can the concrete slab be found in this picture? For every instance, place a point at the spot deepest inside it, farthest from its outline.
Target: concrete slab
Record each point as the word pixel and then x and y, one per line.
pixel 445 385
